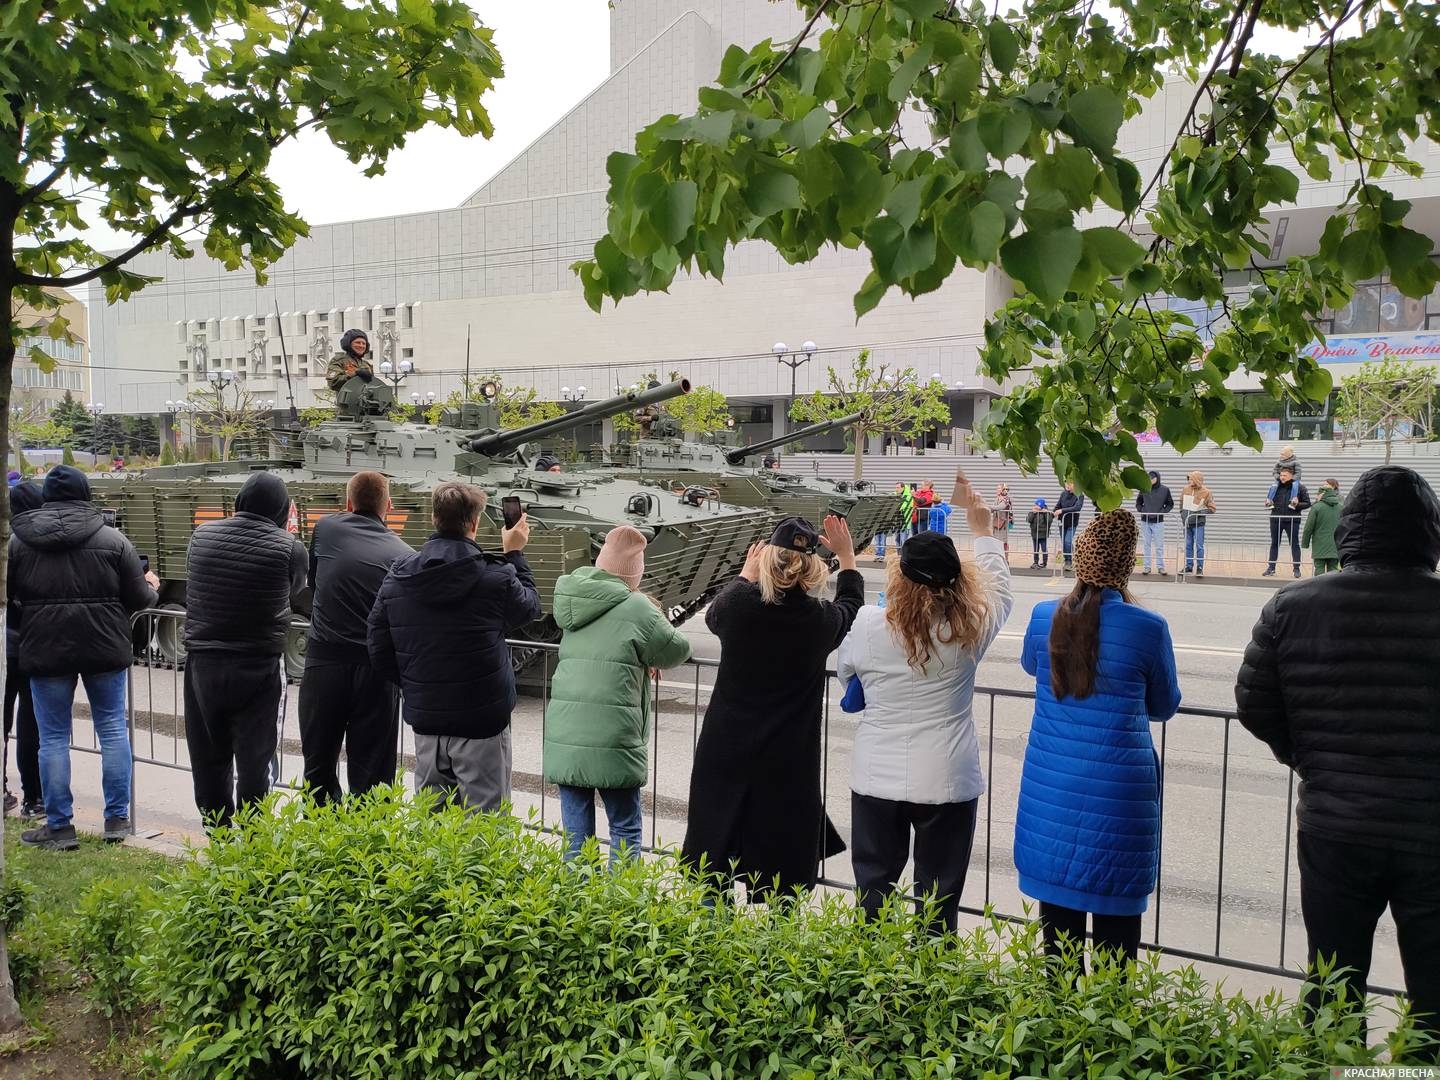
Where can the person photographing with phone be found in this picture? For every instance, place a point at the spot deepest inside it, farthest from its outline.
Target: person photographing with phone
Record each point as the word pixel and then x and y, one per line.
pixel 438 630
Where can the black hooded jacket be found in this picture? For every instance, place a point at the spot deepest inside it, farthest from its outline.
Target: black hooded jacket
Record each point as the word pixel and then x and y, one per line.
pixel 23 498
pixel 78 582
pixel 1341 679
pixel 246 574
pixel 438 629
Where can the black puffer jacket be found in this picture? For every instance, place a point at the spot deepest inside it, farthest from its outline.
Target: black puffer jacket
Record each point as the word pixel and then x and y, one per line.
pixel 1342 679
pixel 23 498
pixel 79 581
pixel 246 575
pixel 438 629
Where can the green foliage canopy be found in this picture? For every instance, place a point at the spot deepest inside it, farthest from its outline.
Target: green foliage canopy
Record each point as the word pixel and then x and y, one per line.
pixel 700 412
pixel 800 144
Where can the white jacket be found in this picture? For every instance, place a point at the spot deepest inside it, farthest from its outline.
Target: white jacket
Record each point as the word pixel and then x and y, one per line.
pixel 916 738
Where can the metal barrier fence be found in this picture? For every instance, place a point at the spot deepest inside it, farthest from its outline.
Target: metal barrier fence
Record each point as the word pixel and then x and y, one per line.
pixel 1203 916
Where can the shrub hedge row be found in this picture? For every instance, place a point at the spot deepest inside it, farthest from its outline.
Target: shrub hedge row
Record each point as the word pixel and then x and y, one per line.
pixel 381 940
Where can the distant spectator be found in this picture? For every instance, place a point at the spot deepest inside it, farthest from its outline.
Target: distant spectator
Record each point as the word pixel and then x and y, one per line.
pixel 1196 504
pixel 1039 521
pixel 1287 460
pixel 915 767
pixel 597 725
pixel 1068 509
pixel 77 581
pixel 19 708
pixel 1153 506
pixel 12 478
pixel 245 577
pixel 756 812
pixel 1288 500
pixel 1320 529
pixel 1087 831
pixel 438 629
pixel 343 700
pixel 902 525
pixel 924 499
pixel 1003 508
pixel 938 518
pixel 1341 682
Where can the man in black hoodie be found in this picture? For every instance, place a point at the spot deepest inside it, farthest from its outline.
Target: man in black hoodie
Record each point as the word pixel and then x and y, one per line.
pixel 246 575
pixel 342 697
pixel 438 630
pixel 1152 506
pixel 1341 682
pixel 78 582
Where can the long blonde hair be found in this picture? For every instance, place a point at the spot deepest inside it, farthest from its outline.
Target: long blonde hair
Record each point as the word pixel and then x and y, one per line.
pixel 782 569
pixel 919 616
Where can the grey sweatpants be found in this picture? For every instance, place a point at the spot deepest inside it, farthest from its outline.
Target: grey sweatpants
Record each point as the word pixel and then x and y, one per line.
pixel 472 772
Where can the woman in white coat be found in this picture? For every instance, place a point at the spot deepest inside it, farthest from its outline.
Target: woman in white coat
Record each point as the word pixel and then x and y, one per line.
pixel 916 762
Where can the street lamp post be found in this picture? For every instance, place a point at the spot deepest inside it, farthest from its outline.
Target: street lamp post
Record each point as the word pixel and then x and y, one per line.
pixel 395 376
pixel 95 408
pixel 792 359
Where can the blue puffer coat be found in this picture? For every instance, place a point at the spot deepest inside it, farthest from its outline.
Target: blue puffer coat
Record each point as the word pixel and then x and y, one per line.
pixel 1087 832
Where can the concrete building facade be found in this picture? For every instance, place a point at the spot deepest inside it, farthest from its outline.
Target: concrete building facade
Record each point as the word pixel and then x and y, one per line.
pixel 35 391
pixel 495 271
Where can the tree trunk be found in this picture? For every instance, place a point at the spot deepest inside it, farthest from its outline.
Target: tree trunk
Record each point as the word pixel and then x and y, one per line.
pixel 861 433
pixel 10 1017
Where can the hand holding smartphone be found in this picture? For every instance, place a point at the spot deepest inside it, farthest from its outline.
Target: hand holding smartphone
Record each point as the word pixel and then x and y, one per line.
pixel 510 510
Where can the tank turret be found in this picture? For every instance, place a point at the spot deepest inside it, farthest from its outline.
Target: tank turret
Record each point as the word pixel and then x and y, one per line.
pixel 497 443
pixel 735 457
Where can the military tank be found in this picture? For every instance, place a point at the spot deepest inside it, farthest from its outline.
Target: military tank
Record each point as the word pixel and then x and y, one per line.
pixel 696 541
pixel 666 457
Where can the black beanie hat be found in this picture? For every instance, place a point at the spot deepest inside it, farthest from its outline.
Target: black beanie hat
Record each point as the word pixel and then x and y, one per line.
pixel 930 559
pixel 65 483
pixel 265 495
pixel 796 534
pixel 23 497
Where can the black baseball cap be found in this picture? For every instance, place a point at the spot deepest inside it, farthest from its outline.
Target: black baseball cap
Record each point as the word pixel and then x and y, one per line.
pixel 930 559
pixel 796 534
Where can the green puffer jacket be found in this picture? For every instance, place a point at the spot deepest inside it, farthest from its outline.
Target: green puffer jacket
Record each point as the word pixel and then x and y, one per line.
pixel 597 727
pixel 1319 531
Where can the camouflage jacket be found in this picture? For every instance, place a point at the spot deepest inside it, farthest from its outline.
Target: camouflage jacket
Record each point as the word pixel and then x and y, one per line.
pixel 343 367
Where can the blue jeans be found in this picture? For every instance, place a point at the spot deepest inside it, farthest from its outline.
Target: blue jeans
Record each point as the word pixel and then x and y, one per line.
pixel 1152 535
pixel 1067 540
pixel 622 809
pixel 54 697
pixel 1195 546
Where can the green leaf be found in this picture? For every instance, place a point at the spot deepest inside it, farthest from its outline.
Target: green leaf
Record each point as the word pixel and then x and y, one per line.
pixel 1316 385
pixel 676 213
pixel 904 202
pixel 1408 253
pixel 1004 45
pixel 713 128
pixel 958 81
pixel 870 294
pixel 1070 171
pixel 808 130
pixel 1117 252
pixel 1135 478
pixel 1278 184
pixel 1361 255
pixel 1043 261
pixel 772 191
pixel 1144 280
pixel 1004 128
pixel 899 253
pixel 965 148
pixel 973 233
pixel 906 73
pixel 1095 115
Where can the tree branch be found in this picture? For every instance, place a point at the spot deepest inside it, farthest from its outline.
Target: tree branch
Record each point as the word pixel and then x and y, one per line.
pixel 792 50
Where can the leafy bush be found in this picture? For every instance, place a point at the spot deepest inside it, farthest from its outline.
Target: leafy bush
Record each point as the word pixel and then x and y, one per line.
pixel 15 901
pixel 377 939
pixel 105 940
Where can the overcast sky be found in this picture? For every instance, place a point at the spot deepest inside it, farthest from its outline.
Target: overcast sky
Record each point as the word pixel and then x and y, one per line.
pixel 550 64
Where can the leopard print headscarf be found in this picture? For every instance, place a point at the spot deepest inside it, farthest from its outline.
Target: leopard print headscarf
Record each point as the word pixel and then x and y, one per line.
pixel 1105 552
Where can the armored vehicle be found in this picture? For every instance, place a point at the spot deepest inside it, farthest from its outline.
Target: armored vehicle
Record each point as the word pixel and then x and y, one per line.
pixel 697 542
pixel 668 458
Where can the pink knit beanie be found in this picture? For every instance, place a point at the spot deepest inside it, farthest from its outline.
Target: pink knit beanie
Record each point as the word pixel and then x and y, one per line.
pixel 623 554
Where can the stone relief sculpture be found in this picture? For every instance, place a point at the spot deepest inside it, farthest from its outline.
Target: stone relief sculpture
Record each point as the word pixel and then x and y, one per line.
pixel 388 340
pixel 258 340
pixel 320 343
pixel 199 352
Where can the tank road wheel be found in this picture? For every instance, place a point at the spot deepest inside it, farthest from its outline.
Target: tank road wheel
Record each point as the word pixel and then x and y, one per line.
pixel 296 640
pixel 170 636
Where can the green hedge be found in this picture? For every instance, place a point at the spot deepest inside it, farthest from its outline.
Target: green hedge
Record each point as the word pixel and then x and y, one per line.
pixel 380 940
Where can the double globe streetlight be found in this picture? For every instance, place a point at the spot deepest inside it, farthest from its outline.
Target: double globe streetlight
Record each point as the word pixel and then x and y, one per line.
pixel 792 358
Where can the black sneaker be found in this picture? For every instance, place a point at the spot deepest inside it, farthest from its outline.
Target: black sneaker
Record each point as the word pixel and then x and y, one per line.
pixel 63 839
pixel 32 811
pixel 10 801
pixel 116 829
pixel 1297 573
pixel 1269 573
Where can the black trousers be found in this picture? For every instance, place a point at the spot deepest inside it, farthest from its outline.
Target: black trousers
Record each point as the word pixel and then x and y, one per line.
pixel 20 709
pixel 1344 888
pixel 1285 526
pixel 232 725
pixel 880 847
pixel 1118 933
pixel 349 704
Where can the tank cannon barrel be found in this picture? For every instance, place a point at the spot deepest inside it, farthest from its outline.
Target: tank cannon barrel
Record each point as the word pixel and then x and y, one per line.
pixel 502 442
pixel 735 457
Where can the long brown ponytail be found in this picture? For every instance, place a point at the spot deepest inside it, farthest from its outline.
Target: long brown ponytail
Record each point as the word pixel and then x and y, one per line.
pixel 1075 641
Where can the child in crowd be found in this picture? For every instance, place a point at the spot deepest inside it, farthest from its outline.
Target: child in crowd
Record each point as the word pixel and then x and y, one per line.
pixel 1039 519
pixel 597 726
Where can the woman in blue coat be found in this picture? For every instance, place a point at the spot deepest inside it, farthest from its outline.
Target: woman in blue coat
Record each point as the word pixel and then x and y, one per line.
pixel 1087 832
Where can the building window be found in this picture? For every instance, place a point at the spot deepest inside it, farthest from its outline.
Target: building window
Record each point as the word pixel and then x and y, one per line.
pixel 407 353
pixel 407 320
pixel 390 312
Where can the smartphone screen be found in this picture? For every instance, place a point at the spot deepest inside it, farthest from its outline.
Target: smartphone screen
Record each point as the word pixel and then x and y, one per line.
pixel 510 510
pixel 145 563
